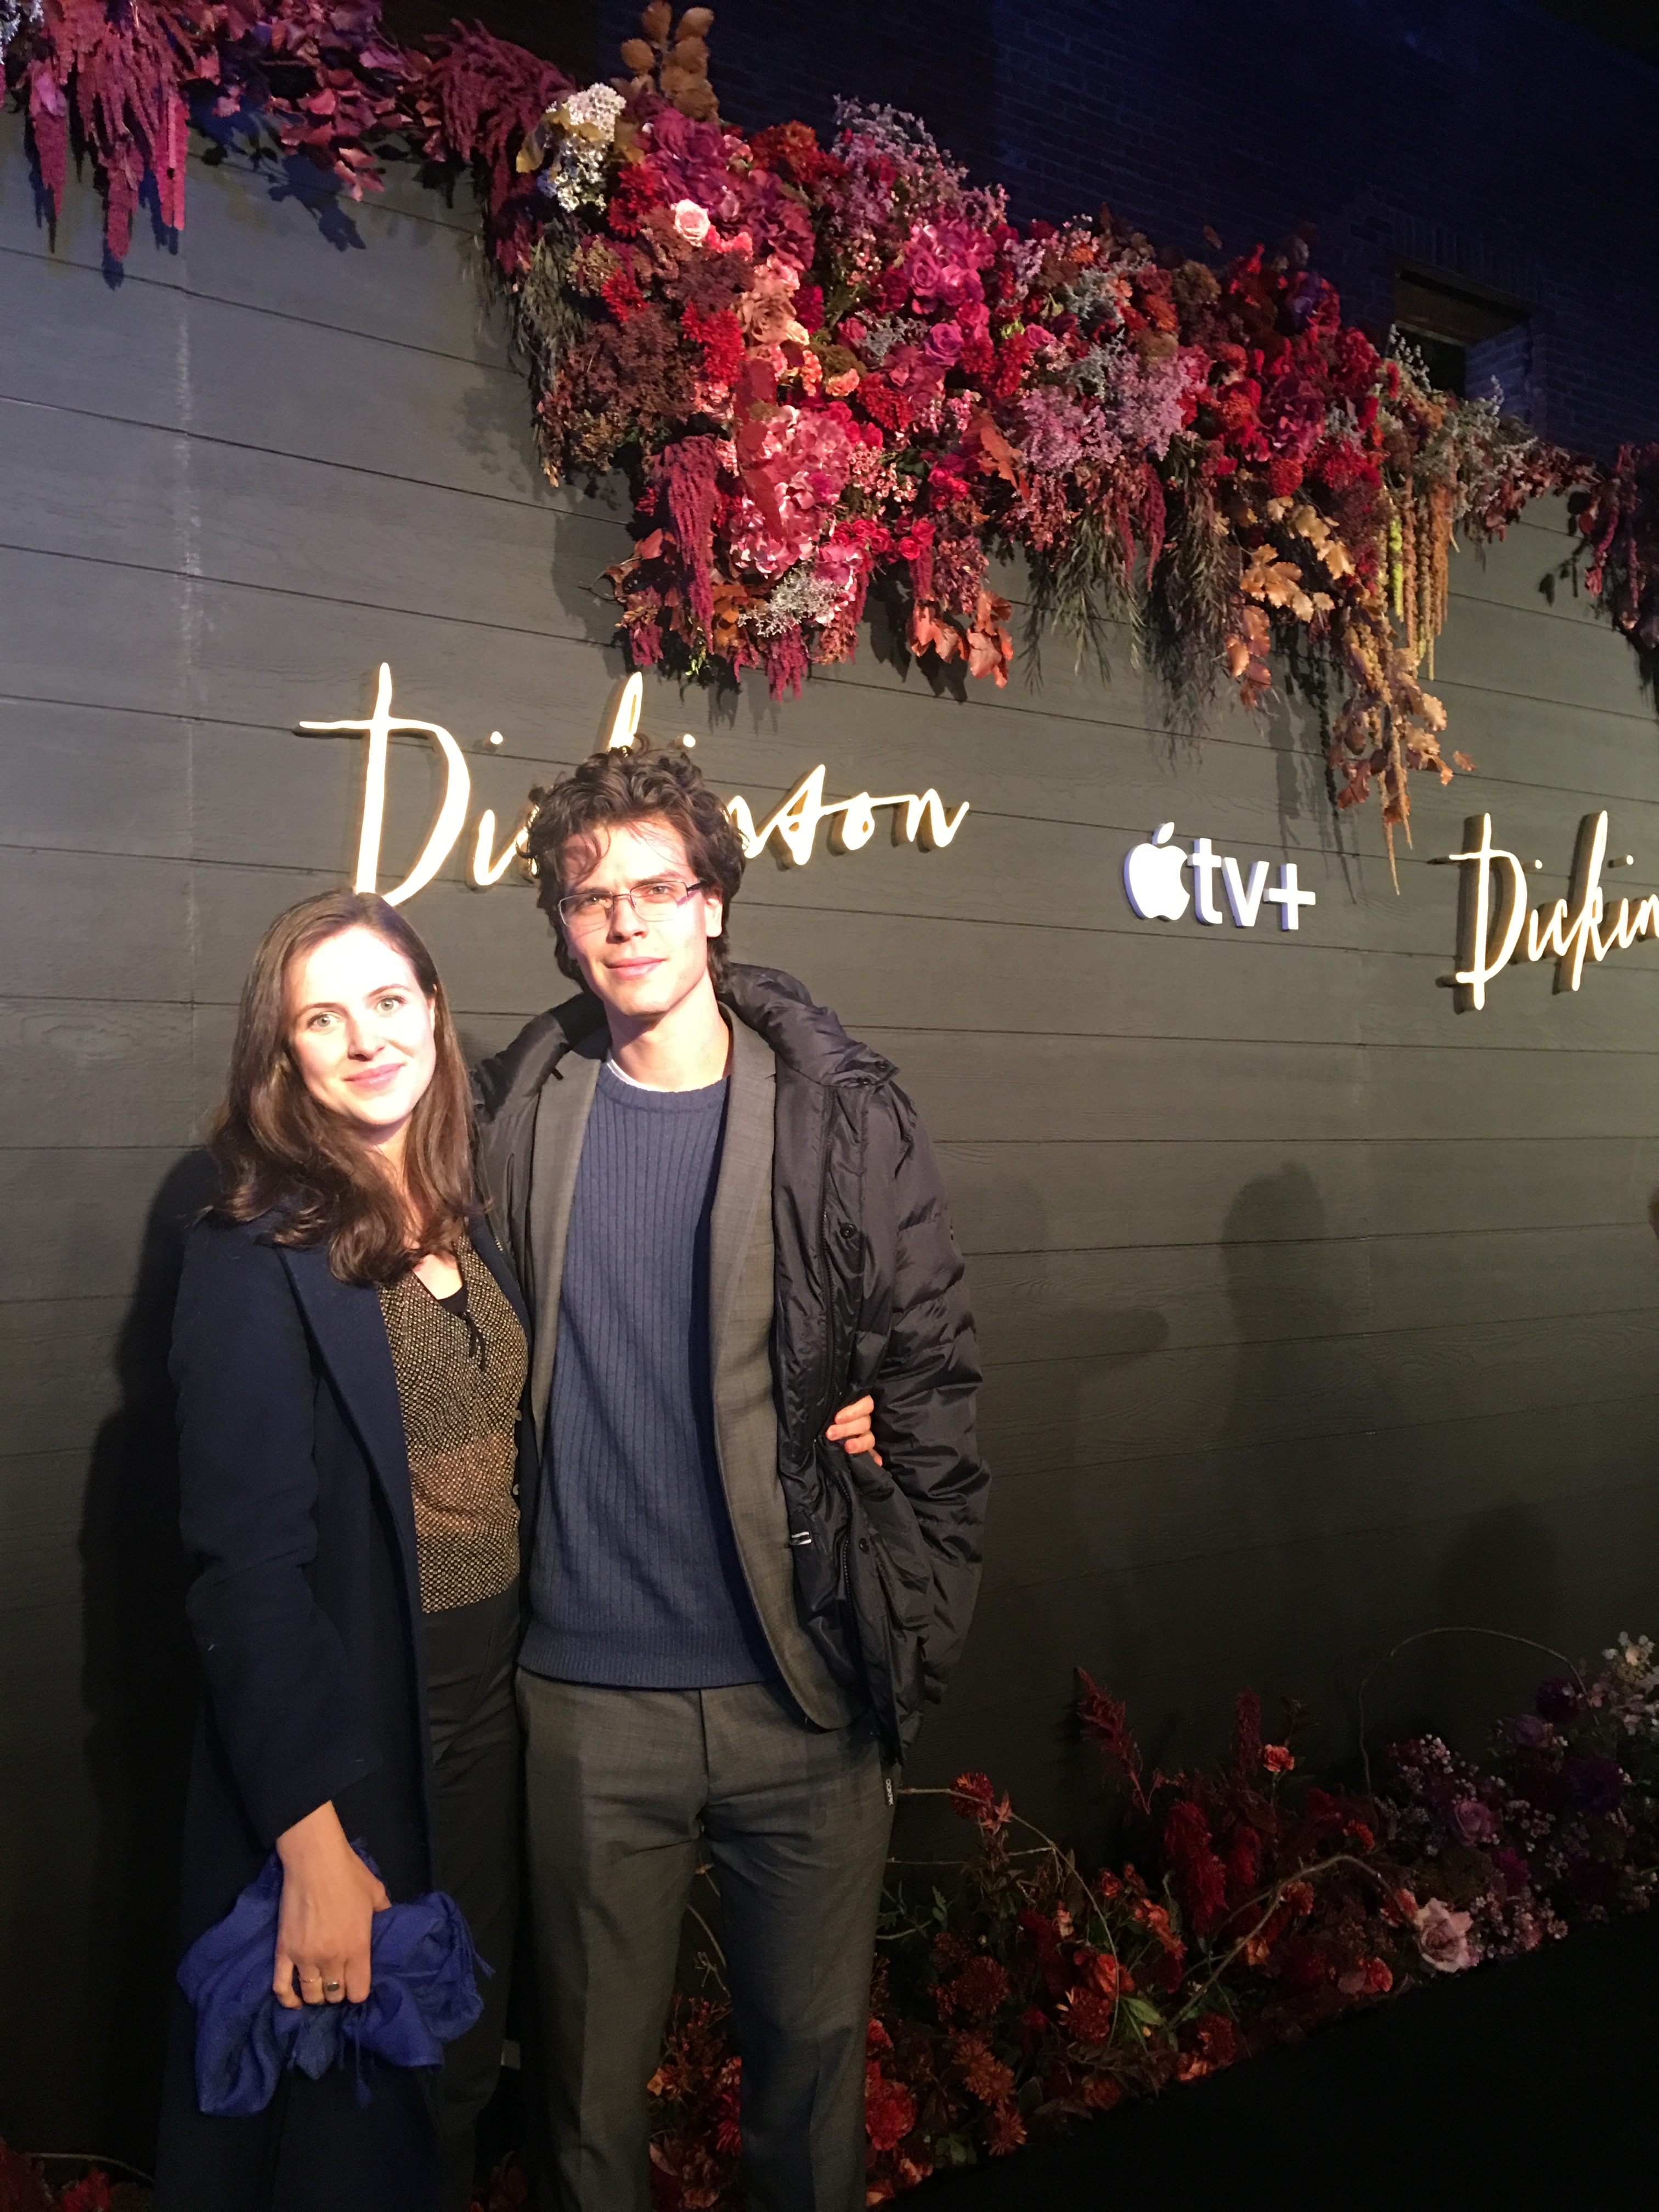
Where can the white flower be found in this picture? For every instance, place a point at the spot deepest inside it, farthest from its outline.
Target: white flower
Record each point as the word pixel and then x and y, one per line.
pixel 590 113
pixel 691 220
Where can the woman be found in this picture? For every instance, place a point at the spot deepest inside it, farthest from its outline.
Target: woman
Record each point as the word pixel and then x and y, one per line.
pixel 350 1356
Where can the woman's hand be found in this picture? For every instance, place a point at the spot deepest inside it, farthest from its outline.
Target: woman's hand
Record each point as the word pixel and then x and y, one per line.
pixel 851 1428
pixel 329 1900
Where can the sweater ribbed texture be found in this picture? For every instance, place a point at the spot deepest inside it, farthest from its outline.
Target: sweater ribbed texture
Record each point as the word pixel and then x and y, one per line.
pixel 635 1582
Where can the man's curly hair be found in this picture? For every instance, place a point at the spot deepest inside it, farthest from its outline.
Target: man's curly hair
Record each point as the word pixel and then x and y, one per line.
pixel 610 788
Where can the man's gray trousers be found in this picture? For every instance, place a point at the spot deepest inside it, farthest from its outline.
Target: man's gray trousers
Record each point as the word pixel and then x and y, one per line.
pixel 626 1790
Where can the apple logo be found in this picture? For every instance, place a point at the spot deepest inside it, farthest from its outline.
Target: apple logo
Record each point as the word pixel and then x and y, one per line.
pixel 1152 877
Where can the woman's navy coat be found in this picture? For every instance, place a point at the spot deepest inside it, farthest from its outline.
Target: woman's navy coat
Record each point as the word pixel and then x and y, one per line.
pixel 297 1504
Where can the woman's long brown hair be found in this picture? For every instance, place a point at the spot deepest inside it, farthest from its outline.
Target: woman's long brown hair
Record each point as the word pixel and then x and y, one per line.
pixel 279 1151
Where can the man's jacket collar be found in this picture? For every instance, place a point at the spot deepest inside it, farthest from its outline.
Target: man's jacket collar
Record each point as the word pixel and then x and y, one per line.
pixel 806 1038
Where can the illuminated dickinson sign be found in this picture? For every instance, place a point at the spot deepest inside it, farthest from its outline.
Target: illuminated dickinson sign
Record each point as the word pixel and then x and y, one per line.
pixel 1494 926
pixel 919 817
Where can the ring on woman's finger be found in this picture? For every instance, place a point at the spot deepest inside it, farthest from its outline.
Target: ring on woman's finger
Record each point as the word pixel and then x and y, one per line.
pixel 331 1985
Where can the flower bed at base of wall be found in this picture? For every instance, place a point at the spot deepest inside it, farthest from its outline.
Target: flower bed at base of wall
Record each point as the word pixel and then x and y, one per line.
pixel 1021 1989
pixel 826 370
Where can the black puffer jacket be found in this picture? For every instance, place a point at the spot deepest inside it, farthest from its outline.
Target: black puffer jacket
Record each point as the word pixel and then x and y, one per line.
pixel 871 1295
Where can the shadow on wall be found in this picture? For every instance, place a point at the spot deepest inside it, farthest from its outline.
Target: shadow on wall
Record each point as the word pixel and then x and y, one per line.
pixel 1329 1569
pixel 141 1684
pixel 1290 1288
pixel 1501 1573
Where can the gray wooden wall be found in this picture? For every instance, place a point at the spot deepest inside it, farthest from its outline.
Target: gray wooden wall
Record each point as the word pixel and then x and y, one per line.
pixel 1314 1315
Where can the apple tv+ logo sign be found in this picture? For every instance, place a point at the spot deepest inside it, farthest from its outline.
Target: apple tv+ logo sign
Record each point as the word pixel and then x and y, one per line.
pixel 1153 873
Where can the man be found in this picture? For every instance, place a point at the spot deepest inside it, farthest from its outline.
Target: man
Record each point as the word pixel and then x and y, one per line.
pixel 728 1219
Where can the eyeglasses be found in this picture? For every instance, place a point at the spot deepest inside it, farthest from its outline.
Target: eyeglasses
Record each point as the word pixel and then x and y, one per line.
pixel 586 913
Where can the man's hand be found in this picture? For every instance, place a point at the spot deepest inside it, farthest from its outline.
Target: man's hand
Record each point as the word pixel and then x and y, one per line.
pixel 851 1428
pixel 328 1900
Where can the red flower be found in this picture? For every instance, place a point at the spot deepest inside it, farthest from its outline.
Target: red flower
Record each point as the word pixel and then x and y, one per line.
pixel 1156 1917
pixel 1278 1758
pixel 1004 2131
pixel 638 189
pixel 1199 1874
pixel 890 2110
pixel 1243 1865
pixel 720 337
pixel 1371 1978
pixel 972 1797
pixel 977 1990
pixel 1099 2092
pixel 983 2074
pixel 1089 2016
pixel 792 149
pixel 91 2195
pixel 1108 1974
pixel 621 294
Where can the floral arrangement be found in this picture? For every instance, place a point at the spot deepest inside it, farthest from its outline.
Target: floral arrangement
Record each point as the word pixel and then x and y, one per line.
pixel 1618 520
pixel 1253 1904
pixel 830 370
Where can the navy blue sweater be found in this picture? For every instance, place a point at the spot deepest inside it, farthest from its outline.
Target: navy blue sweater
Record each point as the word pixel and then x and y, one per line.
pixel 635 1582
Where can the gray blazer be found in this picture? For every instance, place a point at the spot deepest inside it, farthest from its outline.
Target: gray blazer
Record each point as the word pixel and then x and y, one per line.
pixel 740 1311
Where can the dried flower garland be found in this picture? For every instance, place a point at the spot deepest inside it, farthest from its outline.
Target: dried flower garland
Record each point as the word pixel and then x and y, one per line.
pixel 830 370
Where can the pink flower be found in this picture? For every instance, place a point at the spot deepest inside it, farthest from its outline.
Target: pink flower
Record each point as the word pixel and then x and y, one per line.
pixel 802 460
pixel 1442 1937
pixel 1059 433
pixel 1278 1758
pixel 943 344
pixel 943 264
pixel 1472 1822
pixel 691 220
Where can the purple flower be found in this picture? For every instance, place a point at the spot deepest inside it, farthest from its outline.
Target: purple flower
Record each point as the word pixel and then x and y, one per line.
pixel 1527 1730
pixel 1471 1821
pixel 1513 1869
pixel 943 344
pixel 690 157
pixel 1597 1784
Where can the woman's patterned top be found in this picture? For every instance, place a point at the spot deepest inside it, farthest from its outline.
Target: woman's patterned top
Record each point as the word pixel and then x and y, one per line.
pixel 461 1368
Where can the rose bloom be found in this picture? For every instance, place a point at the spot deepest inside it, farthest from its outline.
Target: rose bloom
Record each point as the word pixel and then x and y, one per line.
pixel 1472 1821
pixel 1442 1937
pixel 1278 1758
pixel 691 220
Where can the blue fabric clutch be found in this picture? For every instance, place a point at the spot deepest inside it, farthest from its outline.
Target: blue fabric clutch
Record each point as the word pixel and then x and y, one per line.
pixel 424 1994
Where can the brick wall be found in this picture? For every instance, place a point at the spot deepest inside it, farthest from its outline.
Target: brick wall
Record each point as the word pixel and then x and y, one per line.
pixel 1481 138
